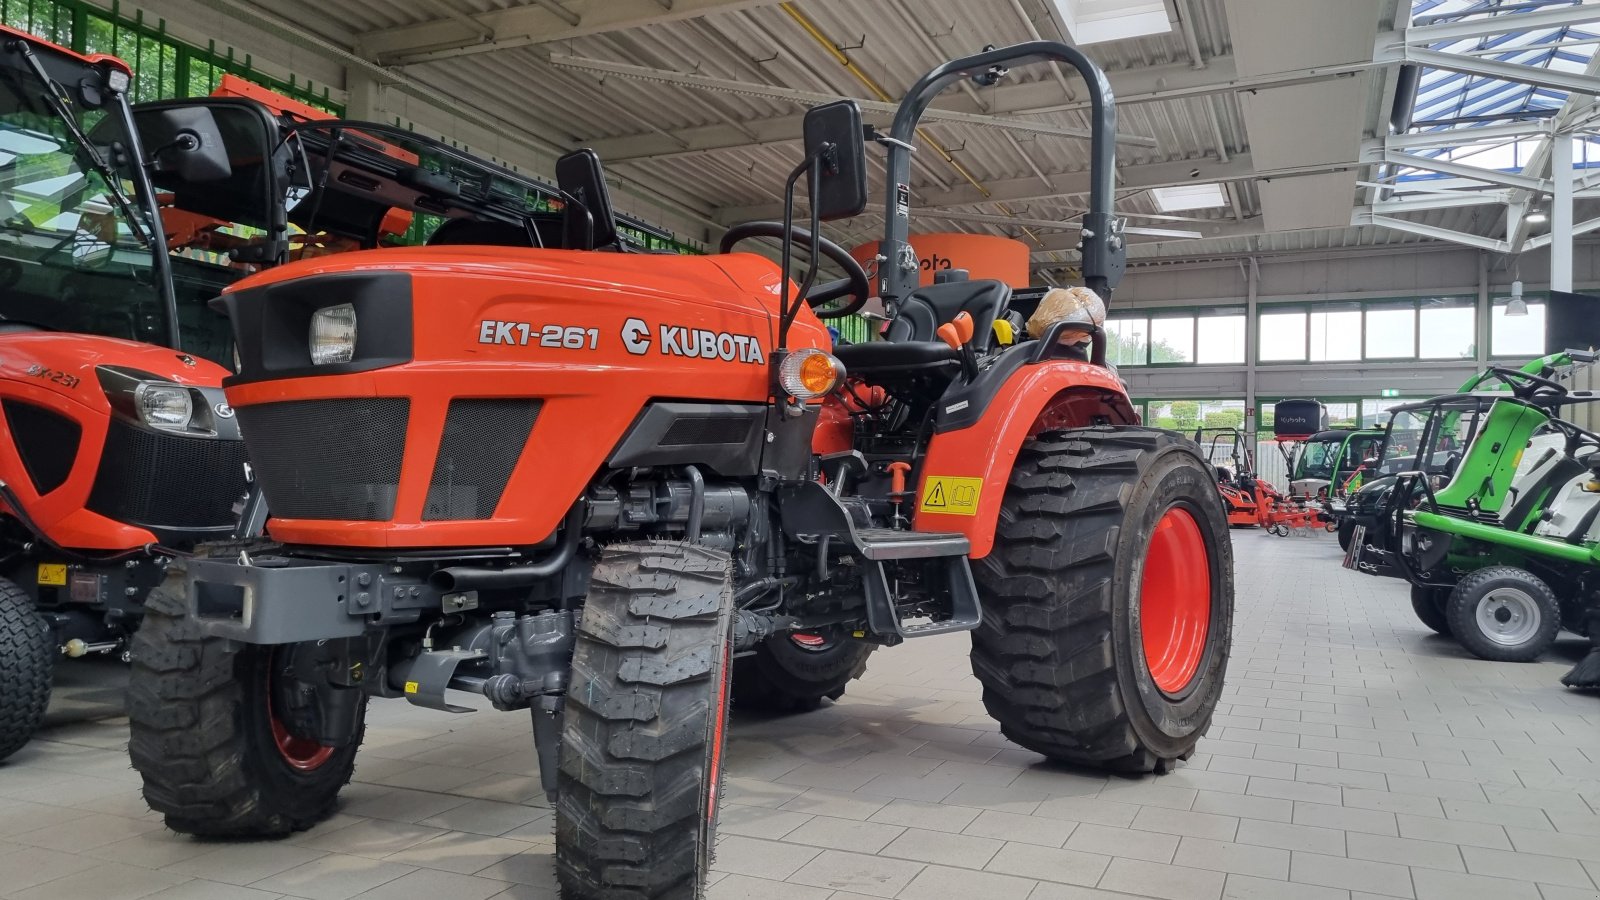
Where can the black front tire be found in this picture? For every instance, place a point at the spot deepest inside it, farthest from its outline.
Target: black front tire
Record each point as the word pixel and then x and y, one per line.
pixel 1347 533
pixel 783 676
pixel 201 732
pixel 27 667
pixel 1504 614
pixel 1429 605
pixel 644 725
pixel 1060 651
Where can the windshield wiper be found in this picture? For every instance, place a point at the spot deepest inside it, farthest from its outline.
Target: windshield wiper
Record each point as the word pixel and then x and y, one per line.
pixel 107 174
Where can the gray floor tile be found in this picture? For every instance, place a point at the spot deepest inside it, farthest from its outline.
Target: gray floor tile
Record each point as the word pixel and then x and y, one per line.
pixel 333 877
pixel 1110 841
pixel 1404 851
pixel 1526 867
pixel 1249 887
pixel 1244 807
pixel 874 876
pixel 943 883
pixel 1184 822
pixel 1006 826
pixel 960 850
pixel 1048 864
pixel 1351 874
pixel 844 834
pixel 930 816
pixel 1225 856
pixel 1435 885
pixel 743 887
pixel 761 859
pixel 1157 880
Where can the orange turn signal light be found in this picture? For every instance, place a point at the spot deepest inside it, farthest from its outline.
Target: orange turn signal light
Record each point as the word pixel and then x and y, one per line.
pixel 810 373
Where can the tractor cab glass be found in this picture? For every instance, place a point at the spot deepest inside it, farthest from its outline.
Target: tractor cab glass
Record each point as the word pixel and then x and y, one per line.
pixel 77 244
pixel 1318 458
pixel 1438 433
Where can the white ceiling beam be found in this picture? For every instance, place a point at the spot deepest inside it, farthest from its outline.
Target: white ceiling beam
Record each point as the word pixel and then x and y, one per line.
pixel 1132 86
pixel 1221 228
pixel 528 24
pixel 817 98
pixel 1361 217
pixel 1467 29
pixel 1022 190
pixel 1460 137
pixel 1453 200
pixel 1543 240
pixel 1473 173
pixel 1539 76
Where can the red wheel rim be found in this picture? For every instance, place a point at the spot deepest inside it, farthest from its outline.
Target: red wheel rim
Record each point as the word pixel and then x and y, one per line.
pixel 1175 601
pixel 300 753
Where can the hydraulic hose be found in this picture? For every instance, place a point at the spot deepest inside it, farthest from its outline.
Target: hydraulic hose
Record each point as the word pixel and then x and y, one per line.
pixel 471 578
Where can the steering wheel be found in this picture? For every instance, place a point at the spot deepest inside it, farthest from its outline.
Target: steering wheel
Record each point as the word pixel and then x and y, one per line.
pixel 1531 383
pixel 854 283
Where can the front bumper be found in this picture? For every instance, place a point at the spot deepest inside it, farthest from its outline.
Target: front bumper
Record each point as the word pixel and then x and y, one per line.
pixel 285 599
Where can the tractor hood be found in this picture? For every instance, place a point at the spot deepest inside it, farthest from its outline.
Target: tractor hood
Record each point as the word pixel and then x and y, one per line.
pixel 66 364
pixel 725 282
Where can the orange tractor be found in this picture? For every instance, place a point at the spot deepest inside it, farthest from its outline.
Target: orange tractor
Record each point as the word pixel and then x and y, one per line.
pixel 1252 501
pixel 622 490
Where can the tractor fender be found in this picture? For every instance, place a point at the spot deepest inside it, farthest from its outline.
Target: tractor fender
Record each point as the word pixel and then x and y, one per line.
pixel 963 475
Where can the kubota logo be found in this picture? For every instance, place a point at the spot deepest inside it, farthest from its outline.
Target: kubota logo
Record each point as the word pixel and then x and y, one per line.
pixel 693 343
pixel 636 336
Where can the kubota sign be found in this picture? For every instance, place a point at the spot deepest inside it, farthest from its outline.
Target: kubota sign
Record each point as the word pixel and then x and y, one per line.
pixel 983 255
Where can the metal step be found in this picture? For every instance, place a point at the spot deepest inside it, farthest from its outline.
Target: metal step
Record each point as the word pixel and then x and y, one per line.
pixel 884 620
pixel 888 543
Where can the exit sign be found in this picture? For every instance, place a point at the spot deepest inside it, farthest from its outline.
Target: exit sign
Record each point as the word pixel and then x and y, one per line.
pixel 1391 392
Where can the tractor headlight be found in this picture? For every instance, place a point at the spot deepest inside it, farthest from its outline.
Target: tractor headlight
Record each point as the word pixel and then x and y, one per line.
pixel 809 373
pixel 333 334
pixel 163 405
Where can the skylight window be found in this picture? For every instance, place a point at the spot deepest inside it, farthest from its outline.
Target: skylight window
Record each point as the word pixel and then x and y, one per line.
pixel 1097 21
pixel 1190 196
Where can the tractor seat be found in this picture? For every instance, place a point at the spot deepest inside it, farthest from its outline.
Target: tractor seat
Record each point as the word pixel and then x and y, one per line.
pixel 926 308
pixel 884 357
pixel 911 341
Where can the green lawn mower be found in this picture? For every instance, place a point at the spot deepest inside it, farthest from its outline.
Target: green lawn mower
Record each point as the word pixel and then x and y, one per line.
pixel 1501 541
pixel 1409 444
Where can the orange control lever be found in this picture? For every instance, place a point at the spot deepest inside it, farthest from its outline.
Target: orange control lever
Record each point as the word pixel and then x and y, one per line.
pixel 963 324
pixel 897 477
pixel 948 333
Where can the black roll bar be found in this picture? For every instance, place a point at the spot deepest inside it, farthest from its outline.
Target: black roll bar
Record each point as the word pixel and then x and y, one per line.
pixel 1103 248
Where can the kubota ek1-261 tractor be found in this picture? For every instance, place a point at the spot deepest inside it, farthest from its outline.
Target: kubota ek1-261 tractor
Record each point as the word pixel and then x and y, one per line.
pixel 117 448
pixel 617 489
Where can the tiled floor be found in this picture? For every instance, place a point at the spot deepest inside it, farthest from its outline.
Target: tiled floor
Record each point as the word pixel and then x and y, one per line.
pixel 1355 756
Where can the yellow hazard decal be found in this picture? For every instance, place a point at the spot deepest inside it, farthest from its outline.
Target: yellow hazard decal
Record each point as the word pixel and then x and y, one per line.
pixel 53 574
pixel 411 687
pixel 951 496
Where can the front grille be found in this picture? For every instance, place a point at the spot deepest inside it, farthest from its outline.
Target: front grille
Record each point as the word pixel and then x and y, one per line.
pixel 328 459
pixel 710 428
pixel 168 481
pixel 483 439
pixel 46 440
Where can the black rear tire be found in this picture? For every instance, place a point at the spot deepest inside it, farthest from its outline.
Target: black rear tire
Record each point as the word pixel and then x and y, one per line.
pixel 783 676
pixel 27 666
pixel 1347 533
pixel 1060 651
pixel 201 732
pixel 1504 614
pixel 1429 605
pixel 644 725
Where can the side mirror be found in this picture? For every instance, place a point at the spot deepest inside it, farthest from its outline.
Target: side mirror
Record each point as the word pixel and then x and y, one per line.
pixel 833 132
pixel 580 177
pixel 185 142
